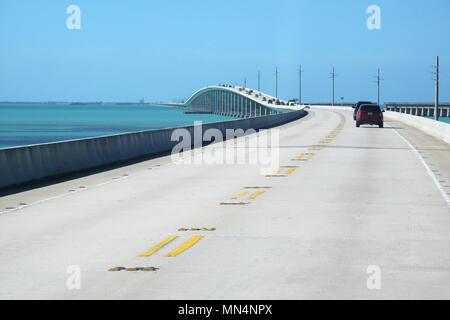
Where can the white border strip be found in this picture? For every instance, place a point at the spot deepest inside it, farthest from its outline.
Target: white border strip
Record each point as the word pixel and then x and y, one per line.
pixel 437 129
pixel 430 172
pixel 60 196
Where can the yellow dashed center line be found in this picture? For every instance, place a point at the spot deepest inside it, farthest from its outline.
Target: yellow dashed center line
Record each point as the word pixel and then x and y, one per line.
pixel 157 247
pixel 256 194
pixel 185 246
pixel 239 195
pixel 278 171
pixel 290 171
pixel 299 157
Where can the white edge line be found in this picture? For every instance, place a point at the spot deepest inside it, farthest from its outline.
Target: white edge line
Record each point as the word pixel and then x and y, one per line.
pixel 430 172
pixel 61 195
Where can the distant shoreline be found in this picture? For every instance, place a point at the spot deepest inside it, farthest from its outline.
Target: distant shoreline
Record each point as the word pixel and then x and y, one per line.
pixel 81 103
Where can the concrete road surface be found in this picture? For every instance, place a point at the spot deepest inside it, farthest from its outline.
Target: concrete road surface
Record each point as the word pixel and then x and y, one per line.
pixel 362 215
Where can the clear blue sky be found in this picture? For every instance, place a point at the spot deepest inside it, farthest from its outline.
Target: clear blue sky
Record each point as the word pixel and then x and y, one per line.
pixel 159 50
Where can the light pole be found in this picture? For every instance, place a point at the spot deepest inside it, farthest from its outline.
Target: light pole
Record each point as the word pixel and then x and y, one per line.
pixel 379 79
pixel 276 82
pixel 300 71
pixel 378 84
pixel 333 76
pixel 436 102
pixel 259 81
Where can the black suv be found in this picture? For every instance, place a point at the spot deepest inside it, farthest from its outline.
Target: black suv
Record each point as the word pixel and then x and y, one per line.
pixel 357 106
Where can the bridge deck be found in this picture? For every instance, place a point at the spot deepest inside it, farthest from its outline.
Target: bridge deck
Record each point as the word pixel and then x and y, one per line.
pixel 364 199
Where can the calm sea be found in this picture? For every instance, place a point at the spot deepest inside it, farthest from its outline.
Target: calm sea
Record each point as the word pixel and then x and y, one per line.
pixel 24 124
pixel 443 119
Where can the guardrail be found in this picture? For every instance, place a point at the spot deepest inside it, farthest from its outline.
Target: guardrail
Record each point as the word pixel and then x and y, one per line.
pixel 21 165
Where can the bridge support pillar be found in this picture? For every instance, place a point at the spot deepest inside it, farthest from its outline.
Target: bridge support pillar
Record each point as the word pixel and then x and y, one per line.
pixel 228 104
pixel 233 104
pixel 224 103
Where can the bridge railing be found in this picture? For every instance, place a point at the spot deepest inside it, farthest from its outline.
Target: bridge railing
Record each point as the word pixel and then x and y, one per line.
pixel 230 102
pixel 419 109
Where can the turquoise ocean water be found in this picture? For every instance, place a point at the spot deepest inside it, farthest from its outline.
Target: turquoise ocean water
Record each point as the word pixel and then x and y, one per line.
pixel 25 124
pixel 445 119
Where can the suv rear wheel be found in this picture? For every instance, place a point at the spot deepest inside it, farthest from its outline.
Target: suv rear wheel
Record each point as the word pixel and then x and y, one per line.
pixel 357 124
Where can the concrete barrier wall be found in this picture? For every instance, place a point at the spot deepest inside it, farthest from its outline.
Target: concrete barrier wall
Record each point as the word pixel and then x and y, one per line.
pixel 437 129
pixel 335 108
pixel 21 165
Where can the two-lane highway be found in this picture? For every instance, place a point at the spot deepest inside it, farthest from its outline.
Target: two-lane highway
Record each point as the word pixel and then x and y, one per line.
pixel 342 200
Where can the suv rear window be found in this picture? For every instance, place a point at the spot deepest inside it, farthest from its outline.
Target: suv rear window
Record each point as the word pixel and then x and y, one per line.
pixel 372 108
pixel 359 104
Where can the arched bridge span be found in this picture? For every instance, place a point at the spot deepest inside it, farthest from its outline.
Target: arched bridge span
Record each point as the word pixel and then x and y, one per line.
pixel 232 101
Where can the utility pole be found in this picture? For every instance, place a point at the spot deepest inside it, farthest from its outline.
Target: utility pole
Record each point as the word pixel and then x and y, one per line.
pixel 300 71
pixel 378 84
pixel 436 103
pixel 259 81
pixel 333 76
pixel 276 82
pixel 379 79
